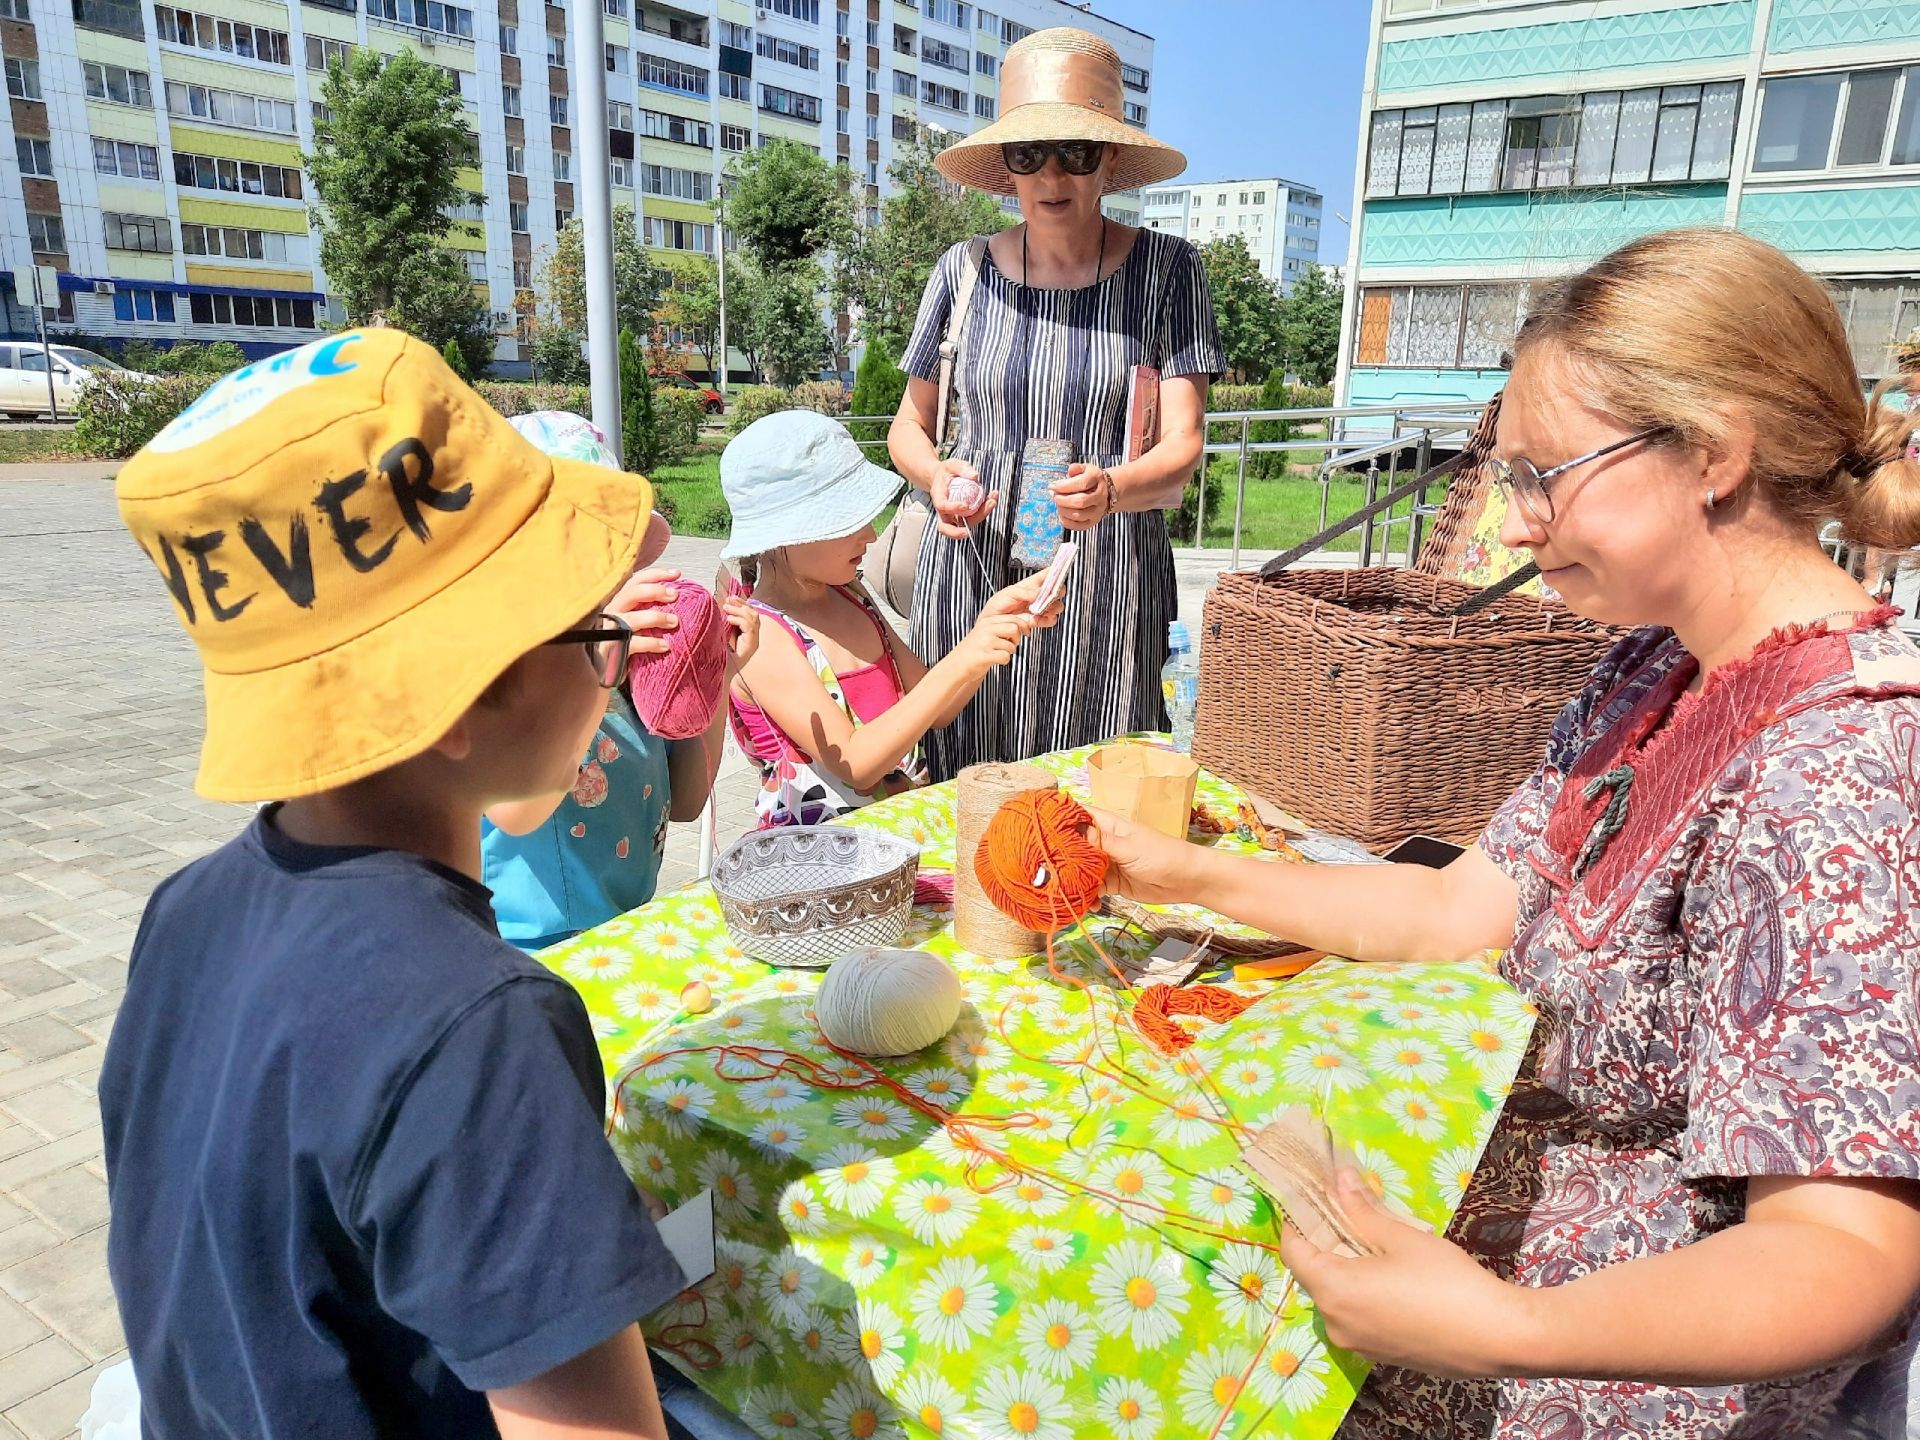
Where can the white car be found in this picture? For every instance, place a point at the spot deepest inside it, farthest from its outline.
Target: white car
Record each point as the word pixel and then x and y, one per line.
pixel 23 377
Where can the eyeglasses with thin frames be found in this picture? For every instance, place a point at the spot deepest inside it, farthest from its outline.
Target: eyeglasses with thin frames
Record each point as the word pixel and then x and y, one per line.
pixel 608 645
pixel 1521 479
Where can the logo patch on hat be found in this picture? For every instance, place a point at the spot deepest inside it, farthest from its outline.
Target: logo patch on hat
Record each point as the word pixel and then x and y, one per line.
pixel 248 391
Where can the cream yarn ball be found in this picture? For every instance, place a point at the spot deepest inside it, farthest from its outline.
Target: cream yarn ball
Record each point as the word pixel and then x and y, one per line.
pixel 887 1002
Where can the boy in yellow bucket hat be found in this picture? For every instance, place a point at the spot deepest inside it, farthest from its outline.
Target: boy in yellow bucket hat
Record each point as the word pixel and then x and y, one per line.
pixel 358 1180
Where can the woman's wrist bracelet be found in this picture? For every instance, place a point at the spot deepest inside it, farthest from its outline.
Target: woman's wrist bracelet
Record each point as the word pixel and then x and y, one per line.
pixel 1113 493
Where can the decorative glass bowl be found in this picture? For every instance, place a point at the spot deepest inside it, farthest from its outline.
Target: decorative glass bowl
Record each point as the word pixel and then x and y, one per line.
pixel 806 895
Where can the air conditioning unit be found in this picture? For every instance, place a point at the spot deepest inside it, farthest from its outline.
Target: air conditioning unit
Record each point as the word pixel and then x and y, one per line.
pixel 103 287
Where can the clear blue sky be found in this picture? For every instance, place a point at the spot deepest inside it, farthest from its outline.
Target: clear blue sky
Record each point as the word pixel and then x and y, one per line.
pixel 1259 87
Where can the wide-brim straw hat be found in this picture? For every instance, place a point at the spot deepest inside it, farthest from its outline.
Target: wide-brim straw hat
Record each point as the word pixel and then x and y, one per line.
pixel 1060 84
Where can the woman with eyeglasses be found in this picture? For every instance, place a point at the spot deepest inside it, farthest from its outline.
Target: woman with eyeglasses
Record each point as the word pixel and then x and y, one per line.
pixel 1700 1212
pixel 1057 314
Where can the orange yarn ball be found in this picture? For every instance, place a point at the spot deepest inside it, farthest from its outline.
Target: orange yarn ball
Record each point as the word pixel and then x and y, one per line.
pixel 1036 864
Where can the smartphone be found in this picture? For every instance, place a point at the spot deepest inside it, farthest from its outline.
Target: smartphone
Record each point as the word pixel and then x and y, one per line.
pixel 1050 587
pixel 1424 850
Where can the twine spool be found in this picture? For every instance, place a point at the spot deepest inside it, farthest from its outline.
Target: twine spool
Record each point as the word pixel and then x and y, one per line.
pixel 981 791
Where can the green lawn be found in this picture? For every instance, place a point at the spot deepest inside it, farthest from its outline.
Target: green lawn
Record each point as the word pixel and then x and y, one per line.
pixel 22 446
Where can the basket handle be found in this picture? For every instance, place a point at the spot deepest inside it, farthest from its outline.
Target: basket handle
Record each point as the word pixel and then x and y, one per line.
pixel 1359 517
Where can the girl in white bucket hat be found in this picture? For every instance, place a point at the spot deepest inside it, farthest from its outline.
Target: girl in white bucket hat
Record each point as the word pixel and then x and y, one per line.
pixel 833 705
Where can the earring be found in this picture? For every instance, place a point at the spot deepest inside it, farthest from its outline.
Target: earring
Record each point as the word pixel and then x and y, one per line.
pixel 1711 500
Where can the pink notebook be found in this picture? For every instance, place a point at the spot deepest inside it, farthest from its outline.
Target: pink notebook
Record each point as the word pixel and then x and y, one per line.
pixel 1143 411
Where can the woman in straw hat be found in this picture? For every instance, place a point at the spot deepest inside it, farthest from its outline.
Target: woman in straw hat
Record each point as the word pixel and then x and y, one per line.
pixel 1063 307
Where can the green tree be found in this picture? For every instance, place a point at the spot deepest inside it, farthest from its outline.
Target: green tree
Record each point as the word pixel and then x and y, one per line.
pixel 789 340
pixel 640 438
pixel 877 387
pixel 1271 464
pixel 457 362
pixel 882 271
pixel 558 356
pixel 692 303
pixel 385 175
pixel 638 283
pixel 786 204
pixel 1246 304
pixel 1310 324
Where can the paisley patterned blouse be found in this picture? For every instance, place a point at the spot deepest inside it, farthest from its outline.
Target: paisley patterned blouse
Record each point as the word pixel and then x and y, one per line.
pixel 1732 992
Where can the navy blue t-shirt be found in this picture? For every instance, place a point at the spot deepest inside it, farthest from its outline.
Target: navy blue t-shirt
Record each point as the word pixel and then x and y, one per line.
pixel 354 1154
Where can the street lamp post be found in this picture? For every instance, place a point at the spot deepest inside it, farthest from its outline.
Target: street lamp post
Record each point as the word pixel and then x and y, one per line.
pixel 596 215
pixel 720 269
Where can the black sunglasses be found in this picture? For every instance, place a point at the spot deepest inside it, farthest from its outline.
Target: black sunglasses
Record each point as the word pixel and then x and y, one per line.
pixel 1077 157
pixel 608 644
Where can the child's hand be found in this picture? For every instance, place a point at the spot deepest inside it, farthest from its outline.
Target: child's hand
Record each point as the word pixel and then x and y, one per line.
pixel 953 519
pixel 638 602
pixel 993 639
pixel 1017 599
pixel 743 632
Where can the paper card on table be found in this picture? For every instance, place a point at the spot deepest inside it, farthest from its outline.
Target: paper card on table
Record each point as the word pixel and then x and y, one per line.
pixel 688 1235
pixel 1173 962
pixel 1292 1158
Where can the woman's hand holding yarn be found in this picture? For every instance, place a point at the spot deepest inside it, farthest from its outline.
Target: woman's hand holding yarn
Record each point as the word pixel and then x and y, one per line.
pixel 1143 864
pixel 958 498
pixel 1085 497
pixel 644 602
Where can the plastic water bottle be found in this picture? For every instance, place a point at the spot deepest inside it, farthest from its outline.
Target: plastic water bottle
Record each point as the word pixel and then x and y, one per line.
pixel 1180 685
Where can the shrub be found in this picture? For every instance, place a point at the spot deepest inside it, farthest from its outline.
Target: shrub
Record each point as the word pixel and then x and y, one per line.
pixel 877 387
pixel 117 415
pixel 456 361
pixel 715 521
pixel 829 397
pixel 558 357
pixel 756 402
pixel 1276 394
pixel 518 397
pixel 142 355
pixel 639 447
pixel 1309 397
pixel 1181 522
pixel 1233 397
pixel 665 506
pixel 677 415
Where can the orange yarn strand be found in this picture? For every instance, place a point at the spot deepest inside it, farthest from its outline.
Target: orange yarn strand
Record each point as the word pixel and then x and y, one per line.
pixel 1156 1006
pixel 1036 864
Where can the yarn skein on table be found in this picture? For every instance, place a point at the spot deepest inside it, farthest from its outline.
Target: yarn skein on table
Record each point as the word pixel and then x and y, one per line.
pixel 677 693
pixel 887 1002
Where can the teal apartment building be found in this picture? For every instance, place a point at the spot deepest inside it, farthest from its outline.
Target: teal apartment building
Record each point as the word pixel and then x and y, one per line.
pixel 1507 141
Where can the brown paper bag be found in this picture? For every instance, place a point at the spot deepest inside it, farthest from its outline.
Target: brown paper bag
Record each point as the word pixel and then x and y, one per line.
pixel 1148 785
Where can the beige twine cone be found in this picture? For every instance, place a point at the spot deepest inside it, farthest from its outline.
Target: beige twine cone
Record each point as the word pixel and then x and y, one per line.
pixel 977 925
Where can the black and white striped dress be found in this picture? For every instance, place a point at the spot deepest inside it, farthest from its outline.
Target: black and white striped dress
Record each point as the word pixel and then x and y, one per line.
pixel 1056 364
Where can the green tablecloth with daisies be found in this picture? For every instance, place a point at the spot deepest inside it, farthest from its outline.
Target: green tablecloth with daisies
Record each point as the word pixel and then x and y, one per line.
pixel 875 1280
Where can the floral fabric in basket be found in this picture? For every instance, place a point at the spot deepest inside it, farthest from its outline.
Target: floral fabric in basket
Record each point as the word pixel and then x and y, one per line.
pixel 1117 1290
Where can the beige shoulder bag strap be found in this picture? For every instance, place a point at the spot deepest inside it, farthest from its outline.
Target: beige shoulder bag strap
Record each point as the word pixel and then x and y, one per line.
pixel 970 261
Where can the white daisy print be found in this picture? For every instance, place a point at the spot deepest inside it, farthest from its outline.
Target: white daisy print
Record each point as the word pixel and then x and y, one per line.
pixel 667 941
pixel 874 1339
pixel 1362 994
pixel 683 1104
pixel 1444 988
pixel 773 1411
pixel 866 1260
pixel 1247 1079
pixel 1056 1337
pixel 1187 1119
pixel 1017 1087
pixel 1407 1014
pixel 735 1195
pixel 1083 1051
pixel 788 1286
pixel 925 1397
pixel 1413 1059
pixel 1040 1247
pixel 1222 1197
pixel 1416 1114
pixel 817 1338
pixel 955 1145
pixel 942 1085
pixel 1141 1294
pixel 1246 1282
pixel 739 1342
pixel 1210 1383
pixel 855 1178
pixel 651 1168
pixel 777 1095
pixel 970 1047
pixel 1134 1178
pixel 856 1411
pixel 617 926
pixel 1486 1042
pixel 1334 1027
pixel 801 1211
pixel 1096 1092
pixel 1293 1373
pixel 1263 1041
pixel 1092 1152
pixel 1061 1024
pixel 605 1027
pixel 1017 1405
pixel 644 1001
pixel 736 1267
pixel 1129 1409
pixel 597 962
pixel 1452 1172
pixel 1381 1174
pixel 955 1303
pixel 873 1117
pixel 1034 1197
pixel 936 1214
pixel 777 1139
pixel 1321 1067
pixel 736 1026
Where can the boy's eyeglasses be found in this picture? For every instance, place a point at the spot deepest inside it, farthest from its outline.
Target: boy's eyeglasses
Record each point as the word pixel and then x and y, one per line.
pixel 1527 482
pixel 1077 157
pixel 607 646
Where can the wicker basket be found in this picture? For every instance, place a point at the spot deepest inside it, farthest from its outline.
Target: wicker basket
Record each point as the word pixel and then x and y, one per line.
pixel 1352 700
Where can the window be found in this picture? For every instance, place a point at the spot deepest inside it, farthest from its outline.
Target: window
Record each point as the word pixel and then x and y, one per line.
pixel 261 311
pixel 740 37
pixel 14 10
pixel 736 87
pixel 120 157
pixel 985 107
pixel 1136 114
pixel 620 173
pixel 985 63
pixel 1221 199
pixel 905 82
pixel 843 25
pixel 614 7
pixel 676 184
pixel 950 12
pixel 1133 77
pixel 1652 136
pixel 840 122
pixel 792 103
pixel 516 159
pixel 873 127
pixel 1011 32
pixel 23 78
pixel 1445 326
pixel 840 73
pixel 873 81
pixel 619 115
pixel 988 22
pixel 736 138
pixel 1878 314
pixel 904 128
pixel 148 234
pixel 476 262
pixel 947 57
pixel 904 40
pixel 787 52
pixel 679 235
pixel 238 244
pixel 563 165
pixel 36 156
pixel 557 50
pixel 943 96
pixel 805 10
pixel 207 172
pixel 142 304
pixel 230 107
pixel 517 217
pixel 230 37
pixel 873 33
pixel 509 39
pixel 523 274
pixel 664 74
pixel 1840 121
pixel 618 60
pixel 510 100
pixel 324 54
pixel 46 235
pixel 108 82
pixel 117 17
pixel 431 15
pixel 677 128
pixel 557 109
pixel 562 218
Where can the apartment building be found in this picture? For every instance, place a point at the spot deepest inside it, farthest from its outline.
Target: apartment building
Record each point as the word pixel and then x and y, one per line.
pixel 1279 219
pixel 159 147
pixel 1507 141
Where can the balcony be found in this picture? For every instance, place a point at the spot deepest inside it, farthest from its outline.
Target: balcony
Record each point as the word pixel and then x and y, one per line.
pixel 116 17
pixel 681 27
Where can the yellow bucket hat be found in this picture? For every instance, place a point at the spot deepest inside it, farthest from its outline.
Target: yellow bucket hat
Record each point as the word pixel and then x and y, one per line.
pixel 359 545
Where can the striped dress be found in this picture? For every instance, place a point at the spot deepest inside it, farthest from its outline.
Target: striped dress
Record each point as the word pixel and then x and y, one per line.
pixel 1056 364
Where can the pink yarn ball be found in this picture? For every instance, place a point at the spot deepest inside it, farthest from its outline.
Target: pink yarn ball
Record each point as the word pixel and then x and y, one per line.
pixel 678 693
pixel 967 493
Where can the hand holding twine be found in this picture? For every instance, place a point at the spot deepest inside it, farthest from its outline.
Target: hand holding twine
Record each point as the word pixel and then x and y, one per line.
pixel 1036 863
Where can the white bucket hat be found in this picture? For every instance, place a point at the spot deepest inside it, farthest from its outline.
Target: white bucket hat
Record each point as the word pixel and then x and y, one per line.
pixel 796 477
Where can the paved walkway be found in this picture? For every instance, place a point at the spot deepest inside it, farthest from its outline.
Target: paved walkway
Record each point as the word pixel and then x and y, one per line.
pixel 99 734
